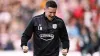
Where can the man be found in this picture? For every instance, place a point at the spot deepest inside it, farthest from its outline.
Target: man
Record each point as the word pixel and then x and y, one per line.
pixel 48 30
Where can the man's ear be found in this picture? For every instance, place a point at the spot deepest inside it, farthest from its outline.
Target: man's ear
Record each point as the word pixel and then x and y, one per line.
pixel 44 8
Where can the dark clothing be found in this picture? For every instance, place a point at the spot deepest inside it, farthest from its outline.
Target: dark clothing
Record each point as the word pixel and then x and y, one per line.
pixel 46 35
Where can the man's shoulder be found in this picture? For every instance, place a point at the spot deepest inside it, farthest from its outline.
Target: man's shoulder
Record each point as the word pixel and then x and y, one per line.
pixel 59 19
pixel 38 16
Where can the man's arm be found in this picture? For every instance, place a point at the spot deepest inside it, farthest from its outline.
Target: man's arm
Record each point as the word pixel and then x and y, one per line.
pixel 27 35
pixel 64 38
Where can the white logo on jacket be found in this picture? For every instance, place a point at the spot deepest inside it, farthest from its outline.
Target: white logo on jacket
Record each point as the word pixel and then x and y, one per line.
pixel 54 26
pixel 46 37
pixel 39 27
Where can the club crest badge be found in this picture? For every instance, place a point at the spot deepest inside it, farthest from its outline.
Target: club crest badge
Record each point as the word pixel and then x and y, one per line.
pixel 54 26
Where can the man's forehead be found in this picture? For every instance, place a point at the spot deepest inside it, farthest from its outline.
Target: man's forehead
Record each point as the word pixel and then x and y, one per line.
pixel 51 9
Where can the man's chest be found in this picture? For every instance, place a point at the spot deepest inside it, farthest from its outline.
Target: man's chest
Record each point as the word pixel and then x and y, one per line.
pixel 46 27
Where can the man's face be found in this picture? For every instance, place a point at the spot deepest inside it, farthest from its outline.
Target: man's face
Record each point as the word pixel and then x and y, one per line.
pixel 50 12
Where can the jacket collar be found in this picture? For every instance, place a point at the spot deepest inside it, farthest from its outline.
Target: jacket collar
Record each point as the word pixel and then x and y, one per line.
pixel 45 16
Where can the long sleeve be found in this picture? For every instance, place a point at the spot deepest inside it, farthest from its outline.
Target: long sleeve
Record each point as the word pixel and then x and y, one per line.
pixel 64 36
pixel 27 33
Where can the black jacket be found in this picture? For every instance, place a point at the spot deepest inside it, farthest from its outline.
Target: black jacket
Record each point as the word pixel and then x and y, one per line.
pixel 46 35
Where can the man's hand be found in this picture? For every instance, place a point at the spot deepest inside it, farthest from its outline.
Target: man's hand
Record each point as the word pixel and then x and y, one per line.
pixel 25 49
pixel 64 52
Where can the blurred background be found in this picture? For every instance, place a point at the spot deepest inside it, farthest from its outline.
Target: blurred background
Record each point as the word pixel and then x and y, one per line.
pixel 82 19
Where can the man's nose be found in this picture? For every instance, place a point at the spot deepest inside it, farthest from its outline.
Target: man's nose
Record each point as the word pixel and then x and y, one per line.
pixel 52 14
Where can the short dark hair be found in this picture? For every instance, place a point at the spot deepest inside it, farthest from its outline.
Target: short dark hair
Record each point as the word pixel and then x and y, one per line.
pixel 51 4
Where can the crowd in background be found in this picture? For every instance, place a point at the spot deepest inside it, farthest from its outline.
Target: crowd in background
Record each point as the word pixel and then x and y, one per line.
pixel 82 19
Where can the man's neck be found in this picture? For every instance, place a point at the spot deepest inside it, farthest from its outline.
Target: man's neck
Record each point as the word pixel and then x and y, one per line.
pixel 49 18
